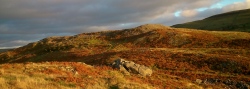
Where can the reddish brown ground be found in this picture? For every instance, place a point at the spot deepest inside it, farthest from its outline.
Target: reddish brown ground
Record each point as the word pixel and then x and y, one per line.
pixel 172 53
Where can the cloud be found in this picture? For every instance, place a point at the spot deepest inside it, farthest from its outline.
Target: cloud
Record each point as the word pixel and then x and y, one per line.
pixel 237 6
pixel 189 13
pixel 50 13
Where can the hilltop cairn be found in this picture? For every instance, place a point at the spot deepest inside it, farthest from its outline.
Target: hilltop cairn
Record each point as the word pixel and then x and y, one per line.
pixel 128 67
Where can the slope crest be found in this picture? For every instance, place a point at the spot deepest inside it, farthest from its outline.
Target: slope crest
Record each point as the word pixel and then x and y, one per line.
pixel 230 21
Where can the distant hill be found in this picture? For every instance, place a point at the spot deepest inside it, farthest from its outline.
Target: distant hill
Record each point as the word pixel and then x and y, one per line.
pixel 4 50
pixel 179 57
pixel 230 21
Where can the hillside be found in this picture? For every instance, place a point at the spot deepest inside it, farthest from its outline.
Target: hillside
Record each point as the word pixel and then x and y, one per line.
pixel 180 58
pixel 230 21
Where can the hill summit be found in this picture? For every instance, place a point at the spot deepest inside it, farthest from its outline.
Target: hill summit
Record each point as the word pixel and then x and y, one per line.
pixel 179 57
pixel 152 26
pixel 230 21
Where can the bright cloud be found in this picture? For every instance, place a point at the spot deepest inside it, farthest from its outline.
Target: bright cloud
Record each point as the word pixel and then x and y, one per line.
pixel 189 13
pixel 237 6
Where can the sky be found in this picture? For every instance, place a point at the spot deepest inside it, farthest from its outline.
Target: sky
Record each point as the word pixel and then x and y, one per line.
pixel 25 21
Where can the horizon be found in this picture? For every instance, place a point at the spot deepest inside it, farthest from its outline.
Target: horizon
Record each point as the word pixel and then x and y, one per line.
pixel 26 21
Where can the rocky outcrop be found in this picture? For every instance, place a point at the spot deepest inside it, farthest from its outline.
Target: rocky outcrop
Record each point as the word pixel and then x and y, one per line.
pixel 128 67
pixel 231 84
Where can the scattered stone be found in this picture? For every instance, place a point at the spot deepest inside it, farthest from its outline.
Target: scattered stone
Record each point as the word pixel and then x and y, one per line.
pixel 76 73
pixel 131 67
pixel 228 82
pixel 241 85
pixel 211 81
pixel 198 81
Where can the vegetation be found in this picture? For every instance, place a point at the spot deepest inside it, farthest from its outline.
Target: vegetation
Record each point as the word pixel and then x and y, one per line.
pixel 230 21
pixel 178 57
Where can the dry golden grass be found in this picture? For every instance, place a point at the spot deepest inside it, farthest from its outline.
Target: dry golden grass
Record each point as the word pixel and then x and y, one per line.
pixel 32 75
pixel 21 81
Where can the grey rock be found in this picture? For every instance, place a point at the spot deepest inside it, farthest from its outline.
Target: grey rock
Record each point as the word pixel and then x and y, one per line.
pixel 131 67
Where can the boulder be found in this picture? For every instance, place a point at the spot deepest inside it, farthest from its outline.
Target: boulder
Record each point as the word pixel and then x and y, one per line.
pixel 131 67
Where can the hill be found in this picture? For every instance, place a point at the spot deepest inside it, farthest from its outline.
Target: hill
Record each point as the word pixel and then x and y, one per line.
pixel 180 58
pixel 230 21
pixel 4 50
